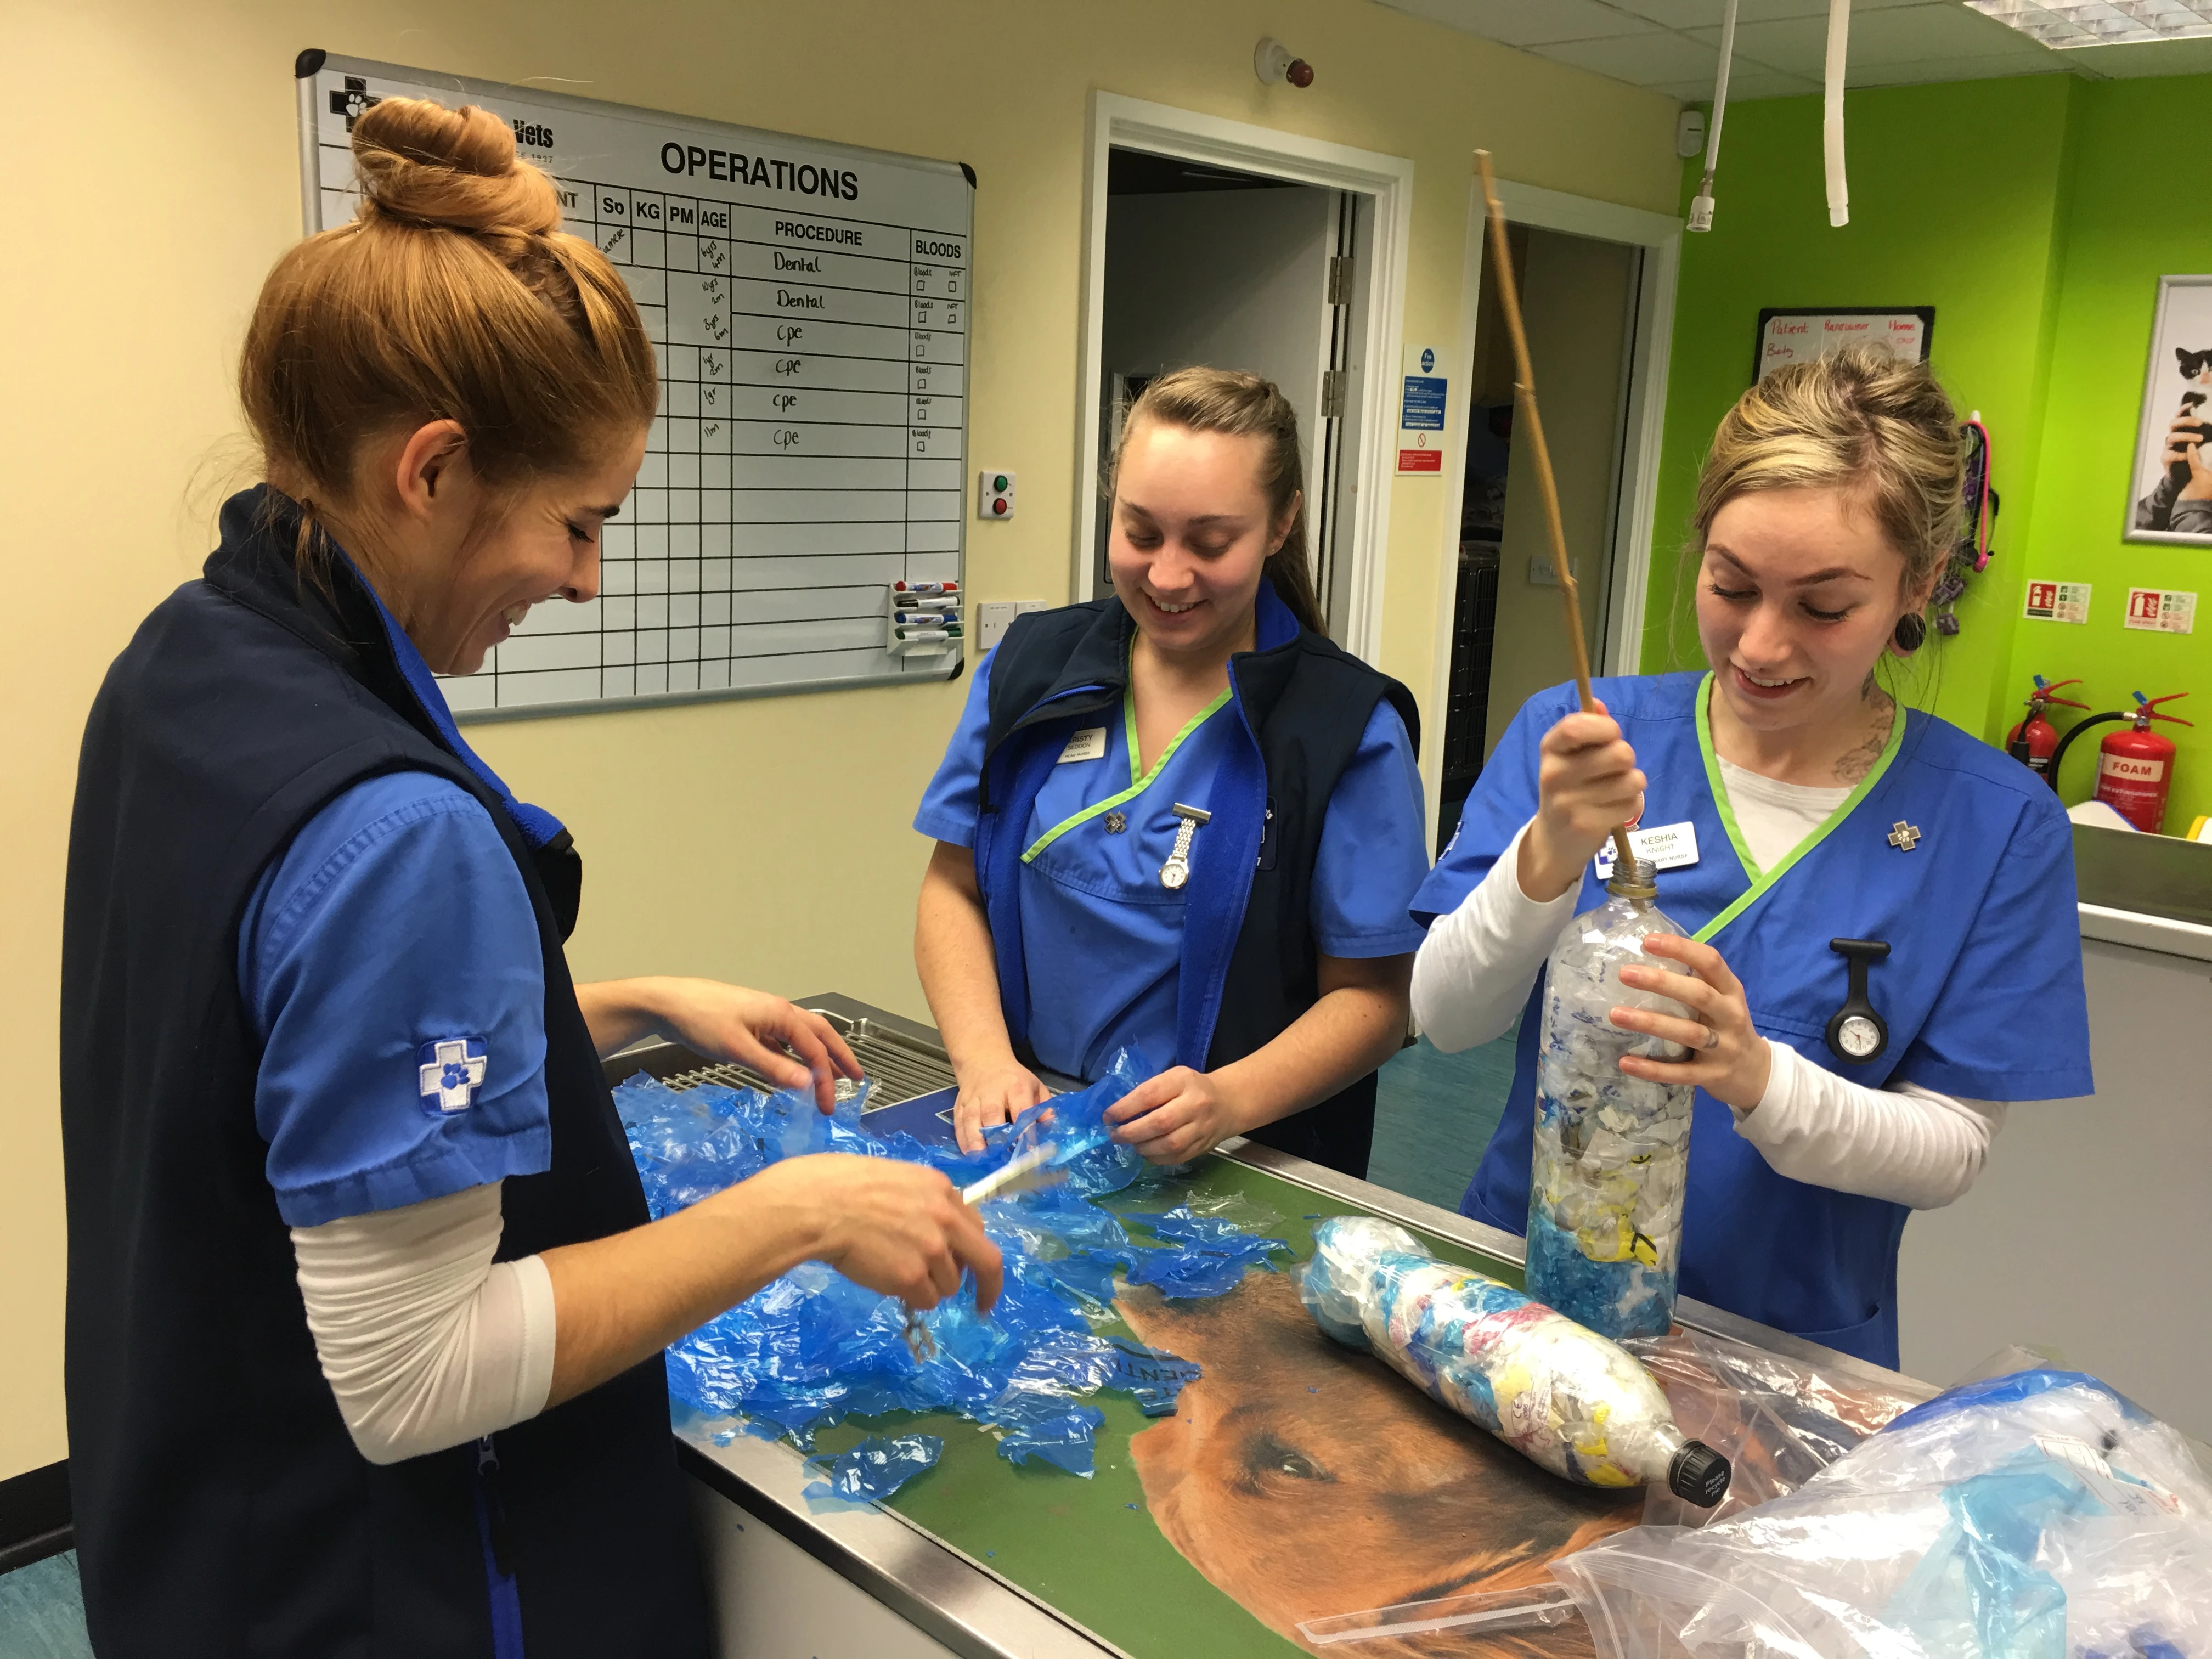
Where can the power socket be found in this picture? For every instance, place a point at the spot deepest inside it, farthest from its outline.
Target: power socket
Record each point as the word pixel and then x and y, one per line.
pixel 993 620
pixel 994 493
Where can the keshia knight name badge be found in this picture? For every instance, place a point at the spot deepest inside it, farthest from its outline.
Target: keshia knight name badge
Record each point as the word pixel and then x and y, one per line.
pixel 1670 846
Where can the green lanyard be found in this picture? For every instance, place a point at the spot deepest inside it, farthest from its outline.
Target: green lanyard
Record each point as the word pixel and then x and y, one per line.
pixel 1762 881
pixel 1136 785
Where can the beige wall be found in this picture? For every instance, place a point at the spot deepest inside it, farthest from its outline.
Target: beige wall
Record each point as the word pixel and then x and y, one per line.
pixel 150 176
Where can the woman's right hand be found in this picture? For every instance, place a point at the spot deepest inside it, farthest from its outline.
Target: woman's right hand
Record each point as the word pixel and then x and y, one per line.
pixel 995 1092
pixel 1587 785
pixel 897 1229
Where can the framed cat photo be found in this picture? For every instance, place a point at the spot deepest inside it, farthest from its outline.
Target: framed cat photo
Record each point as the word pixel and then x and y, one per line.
pixel 2170 497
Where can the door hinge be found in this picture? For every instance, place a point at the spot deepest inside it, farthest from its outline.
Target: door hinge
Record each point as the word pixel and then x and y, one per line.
pixel 1332 394
pixel 1339 280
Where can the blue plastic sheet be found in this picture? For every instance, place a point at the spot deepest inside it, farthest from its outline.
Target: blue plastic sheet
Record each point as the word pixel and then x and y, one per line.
pixel 1065 1439
pixel 875 1469
pixel 813 1348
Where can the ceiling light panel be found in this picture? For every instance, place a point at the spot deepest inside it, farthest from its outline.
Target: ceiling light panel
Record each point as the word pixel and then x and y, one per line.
pixel 2101 22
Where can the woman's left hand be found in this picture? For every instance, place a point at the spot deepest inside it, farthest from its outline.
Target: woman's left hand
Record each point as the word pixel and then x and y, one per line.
pixel 1174 1116
pixel 1728 1058
pixel 730 1023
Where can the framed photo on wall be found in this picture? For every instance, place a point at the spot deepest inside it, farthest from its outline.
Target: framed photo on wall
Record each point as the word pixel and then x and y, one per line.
pixel 2170 494
pixel 1795 334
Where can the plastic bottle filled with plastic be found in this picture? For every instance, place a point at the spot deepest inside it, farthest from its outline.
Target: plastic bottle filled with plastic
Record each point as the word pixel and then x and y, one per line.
pixel 1612 1150
pixel 1559 1395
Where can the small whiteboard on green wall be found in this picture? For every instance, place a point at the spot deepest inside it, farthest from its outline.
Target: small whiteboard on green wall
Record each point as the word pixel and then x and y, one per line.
pixel 2170 494
pixel 1793 335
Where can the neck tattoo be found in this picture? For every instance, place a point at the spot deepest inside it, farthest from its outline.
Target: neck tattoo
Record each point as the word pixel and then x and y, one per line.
pixel 1856 761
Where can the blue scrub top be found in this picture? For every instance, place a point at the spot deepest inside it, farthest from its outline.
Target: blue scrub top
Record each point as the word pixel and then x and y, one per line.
pixel 390 961
pixel 1981 990
pixel 1101 935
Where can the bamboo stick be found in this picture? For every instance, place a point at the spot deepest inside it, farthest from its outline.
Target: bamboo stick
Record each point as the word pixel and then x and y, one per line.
pixel 1524 390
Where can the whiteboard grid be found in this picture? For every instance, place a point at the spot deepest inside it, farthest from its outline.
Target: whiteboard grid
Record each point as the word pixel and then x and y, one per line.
pixel 810 445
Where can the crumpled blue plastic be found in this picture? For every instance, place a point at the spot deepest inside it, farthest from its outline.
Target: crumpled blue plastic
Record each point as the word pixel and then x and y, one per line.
pixel 1210 1258
pixel 1065 1439
pixel 875 1469
pixel 813 1348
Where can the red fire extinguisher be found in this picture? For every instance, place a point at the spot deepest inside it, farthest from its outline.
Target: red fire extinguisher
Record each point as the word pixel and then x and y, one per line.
pixel 2033 740
pixel 2135 766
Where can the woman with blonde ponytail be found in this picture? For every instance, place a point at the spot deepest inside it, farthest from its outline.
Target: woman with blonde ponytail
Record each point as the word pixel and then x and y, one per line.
pixel 1840 1085
pixel 365 1310
pixel 1180 820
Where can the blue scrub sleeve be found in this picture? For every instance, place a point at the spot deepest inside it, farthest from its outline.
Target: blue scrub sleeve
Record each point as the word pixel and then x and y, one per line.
pixel 2012 1021
pixel 1372 855
pixel 390 960
pixel 1503 800
pixel 948 805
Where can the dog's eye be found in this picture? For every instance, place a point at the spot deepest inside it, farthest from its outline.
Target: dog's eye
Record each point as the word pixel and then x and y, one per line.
pixel 1268 1456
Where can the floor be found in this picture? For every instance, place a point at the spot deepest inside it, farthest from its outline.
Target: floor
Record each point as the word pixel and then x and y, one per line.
pixel 1433 1116
pixel 42 1611
pixel 1434 1113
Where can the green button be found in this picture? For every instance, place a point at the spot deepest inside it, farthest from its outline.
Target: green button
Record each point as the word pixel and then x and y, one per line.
pixel 999 482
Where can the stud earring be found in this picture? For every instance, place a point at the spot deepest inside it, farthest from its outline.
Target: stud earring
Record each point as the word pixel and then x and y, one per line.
pixel 1911 633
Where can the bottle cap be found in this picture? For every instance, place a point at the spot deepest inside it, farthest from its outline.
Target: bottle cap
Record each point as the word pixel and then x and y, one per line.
pixel 1638 878
pixel 1698 1475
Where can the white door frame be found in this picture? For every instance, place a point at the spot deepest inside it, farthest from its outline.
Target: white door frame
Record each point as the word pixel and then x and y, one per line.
pixel 1389 179
pixel 1660 236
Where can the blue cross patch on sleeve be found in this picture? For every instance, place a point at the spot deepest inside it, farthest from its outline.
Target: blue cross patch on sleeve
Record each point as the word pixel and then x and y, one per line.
pixel 448 1073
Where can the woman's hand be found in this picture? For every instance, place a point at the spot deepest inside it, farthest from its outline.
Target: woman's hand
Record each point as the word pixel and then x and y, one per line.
pixel 1174 1116
pixel 1728 1058
pixel 1587 785
pixel 898 1229
pixel 993 1092
pixel 723 1022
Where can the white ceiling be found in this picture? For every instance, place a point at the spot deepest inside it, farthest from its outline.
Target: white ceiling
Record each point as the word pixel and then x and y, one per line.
pixel 1673 46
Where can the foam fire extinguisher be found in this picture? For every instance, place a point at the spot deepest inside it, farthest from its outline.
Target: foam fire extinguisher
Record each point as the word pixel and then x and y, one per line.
pixel 2034 741
pixel 2135 767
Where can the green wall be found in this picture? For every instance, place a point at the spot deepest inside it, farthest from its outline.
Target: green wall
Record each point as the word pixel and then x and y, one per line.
pixel 2035 215
pixel 2132 218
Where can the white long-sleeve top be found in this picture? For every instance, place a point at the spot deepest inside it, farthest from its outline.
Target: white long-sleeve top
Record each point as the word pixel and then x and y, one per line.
pixel 425 1341
pixel 1908 1144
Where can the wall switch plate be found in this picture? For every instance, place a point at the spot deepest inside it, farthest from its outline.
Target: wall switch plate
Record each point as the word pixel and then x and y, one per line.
pixel 1541 574
pixel 994 493
pixel 994 620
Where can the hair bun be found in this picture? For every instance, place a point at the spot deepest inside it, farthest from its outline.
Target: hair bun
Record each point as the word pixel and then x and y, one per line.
pixel 452 169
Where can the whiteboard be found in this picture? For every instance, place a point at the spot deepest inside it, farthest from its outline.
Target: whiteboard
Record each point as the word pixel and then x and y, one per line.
pixel 809 305
pixel 1791 336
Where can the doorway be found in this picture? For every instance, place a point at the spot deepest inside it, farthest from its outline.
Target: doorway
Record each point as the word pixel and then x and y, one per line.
pixel 1597 285
pixel 1208 264
pixel 1218 242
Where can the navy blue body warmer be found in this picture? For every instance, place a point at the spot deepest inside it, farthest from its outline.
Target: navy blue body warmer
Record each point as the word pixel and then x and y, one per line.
pixel 1249 964
pixel 220 1507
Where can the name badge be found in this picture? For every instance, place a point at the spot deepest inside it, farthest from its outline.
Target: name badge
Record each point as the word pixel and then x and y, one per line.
pixel 1668 845
pixel 1089 743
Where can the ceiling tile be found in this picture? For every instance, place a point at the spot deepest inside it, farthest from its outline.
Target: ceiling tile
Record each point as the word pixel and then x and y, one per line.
pixel 2150 58
pixel 1640 59
pixel 1907 34
pixel 1745 83
pixel 1528 22
pixel 1926 70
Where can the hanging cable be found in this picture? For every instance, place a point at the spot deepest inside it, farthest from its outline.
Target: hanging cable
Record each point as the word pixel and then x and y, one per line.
pixel 1832 116
pixel 1701 210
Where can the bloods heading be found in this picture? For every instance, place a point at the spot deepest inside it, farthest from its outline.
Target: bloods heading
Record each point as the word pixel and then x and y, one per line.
pixel 804 176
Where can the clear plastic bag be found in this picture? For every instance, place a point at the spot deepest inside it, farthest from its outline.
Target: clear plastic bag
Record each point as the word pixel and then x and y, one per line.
pixel 1778 1421
pixel 2036 1515
pixel 1611 1154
